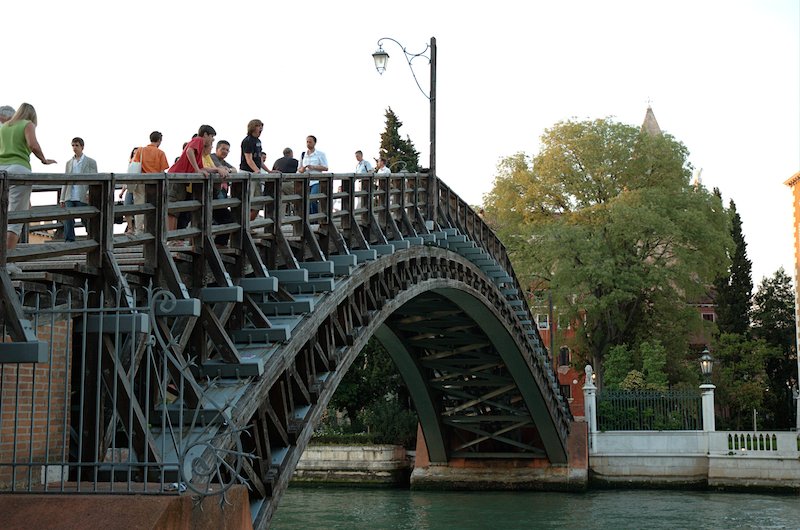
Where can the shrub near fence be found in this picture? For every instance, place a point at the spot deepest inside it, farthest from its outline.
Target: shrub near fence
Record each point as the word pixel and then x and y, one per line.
pixel 621 410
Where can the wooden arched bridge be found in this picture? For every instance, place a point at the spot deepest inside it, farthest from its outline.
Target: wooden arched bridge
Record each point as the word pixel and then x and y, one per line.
pixel 166 361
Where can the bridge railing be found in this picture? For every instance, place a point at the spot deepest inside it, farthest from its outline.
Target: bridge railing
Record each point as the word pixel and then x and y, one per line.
pixel 287 204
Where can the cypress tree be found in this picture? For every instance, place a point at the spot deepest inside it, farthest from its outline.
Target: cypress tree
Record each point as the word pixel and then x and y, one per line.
pixel 735 291
pixel 400 153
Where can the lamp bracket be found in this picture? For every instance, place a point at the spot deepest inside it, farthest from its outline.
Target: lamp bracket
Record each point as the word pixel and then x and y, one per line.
pixel 409 59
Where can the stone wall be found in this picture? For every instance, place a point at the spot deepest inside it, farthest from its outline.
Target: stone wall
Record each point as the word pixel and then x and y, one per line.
pixel 354 464
pixel 771 461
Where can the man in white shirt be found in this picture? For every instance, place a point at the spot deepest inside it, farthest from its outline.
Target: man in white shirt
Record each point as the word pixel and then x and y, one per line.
pixel 74 195
pixel 363 166
pixel 382 169
pixel 313 161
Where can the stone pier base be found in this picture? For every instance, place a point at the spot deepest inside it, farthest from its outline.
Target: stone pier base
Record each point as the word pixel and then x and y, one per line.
pixel 506 474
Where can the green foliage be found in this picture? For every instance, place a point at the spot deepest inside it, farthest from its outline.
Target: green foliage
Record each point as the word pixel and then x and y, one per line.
pixel 773 321
pixel 373 399
pixel 740 377
pixel 392 422
pixel 370 378
pixel 605 215
pixel 735 289
pixel 400 153
pixel 654 362
pixel 633 381
pixel 618 364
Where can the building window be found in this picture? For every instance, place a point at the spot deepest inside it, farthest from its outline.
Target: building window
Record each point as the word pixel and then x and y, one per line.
pixel 563 356
pixel 708 317
pixel 543 321
pixel 566 391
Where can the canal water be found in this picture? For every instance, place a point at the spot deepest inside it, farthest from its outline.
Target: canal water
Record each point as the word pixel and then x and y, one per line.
pixel 317 508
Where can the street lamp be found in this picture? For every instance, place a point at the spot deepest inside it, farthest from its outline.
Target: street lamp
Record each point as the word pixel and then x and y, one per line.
pixel 706 365
pixel 381 59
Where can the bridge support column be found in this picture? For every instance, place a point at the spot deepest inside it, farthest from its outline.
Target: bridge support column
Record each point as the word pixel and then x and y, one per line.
pixel 506 473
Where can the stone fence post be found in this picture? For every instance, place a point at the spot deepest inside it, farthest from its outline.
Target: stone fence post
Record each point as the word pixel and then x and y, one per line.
pixel 590 405
pixel 707 392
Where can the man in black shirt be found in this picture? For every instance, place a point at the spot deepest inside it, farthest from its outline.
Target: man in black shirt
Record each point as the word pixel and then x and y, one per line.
pixel 251 157
pixel 287 164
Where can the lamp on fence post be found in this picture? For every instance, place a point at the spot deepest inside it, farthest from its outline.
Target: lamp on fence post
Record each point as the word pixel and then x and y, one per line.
pixel 381 59
pixel 707 391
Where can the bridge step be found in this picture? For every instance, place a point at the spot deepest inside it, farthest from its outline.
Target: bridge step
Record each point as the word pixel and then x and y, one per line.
pixel 222 294
pixel 176 413
pixel 400 244
pixel 516 303
pixel 428 239
pixel 287 308
pixel 138 323
pixel 24 352
pixel 317 285
pixel 252 367
pixel 470 251
pixel 383 250
pixel 259 285
pixel 415 240
pixel 503 280
pixel 458 245
pixel 483 256
pixel 260 335
pixel 178 308
pixel 484 262
pixel 495 271
pixel 318 269
pixel 510 292
pixel 344 264
pixel 451 231
pixel 455 239
pixel 365 255
pixel 290 275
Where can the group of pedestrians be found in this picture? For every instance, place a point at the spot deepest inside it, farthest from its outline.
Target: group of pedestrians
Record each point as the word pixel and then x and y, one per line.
pixel 18 141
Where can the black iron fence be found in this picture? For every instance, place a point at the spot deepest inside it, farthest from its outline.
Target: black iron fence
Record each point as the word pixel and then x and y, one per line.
pixel 622 410
pixel 112 408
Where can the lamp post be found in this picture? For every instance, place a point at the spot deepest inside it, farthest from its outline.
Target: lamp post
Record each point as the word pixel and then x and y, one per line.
pixel 381 59
pixel 707 391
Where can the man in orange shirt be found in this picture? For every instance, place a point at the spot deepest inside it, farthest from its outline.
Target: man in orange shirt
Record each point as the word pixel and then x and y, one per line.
pixel 153 160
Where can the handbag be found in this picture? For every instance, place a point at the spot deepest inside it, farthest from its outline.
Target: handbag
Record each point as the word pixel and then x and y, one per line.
pixel 136 167
pixel 118 217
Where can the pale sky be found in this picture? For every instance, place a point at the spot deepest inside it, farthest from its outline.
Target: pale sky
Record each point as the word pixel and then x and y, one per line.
pixel 722 76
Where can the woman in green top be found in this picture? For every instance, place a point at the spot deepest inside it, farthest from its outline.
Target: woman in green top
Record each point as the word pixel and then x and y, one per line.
pixel 17 142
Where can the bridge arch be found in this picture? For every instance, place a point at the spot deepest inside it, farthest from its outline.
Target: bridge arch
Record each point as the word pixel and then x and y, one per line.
pixel 474 384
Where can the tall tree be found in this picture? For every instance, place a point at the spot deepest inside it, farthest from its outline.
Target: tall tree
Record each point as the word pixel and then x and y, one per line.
pixel 774 322
pixel 400 153
pixel 735 289
pixel 605 214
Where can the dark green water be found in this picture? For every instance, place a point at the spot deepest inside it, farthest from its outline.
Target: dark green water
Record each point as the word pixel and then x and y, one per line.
pixel 311 508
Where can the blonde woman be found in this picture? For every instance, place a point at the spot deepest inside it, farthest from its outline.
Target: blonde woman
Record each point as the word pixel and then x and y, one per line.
pixel 17 142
